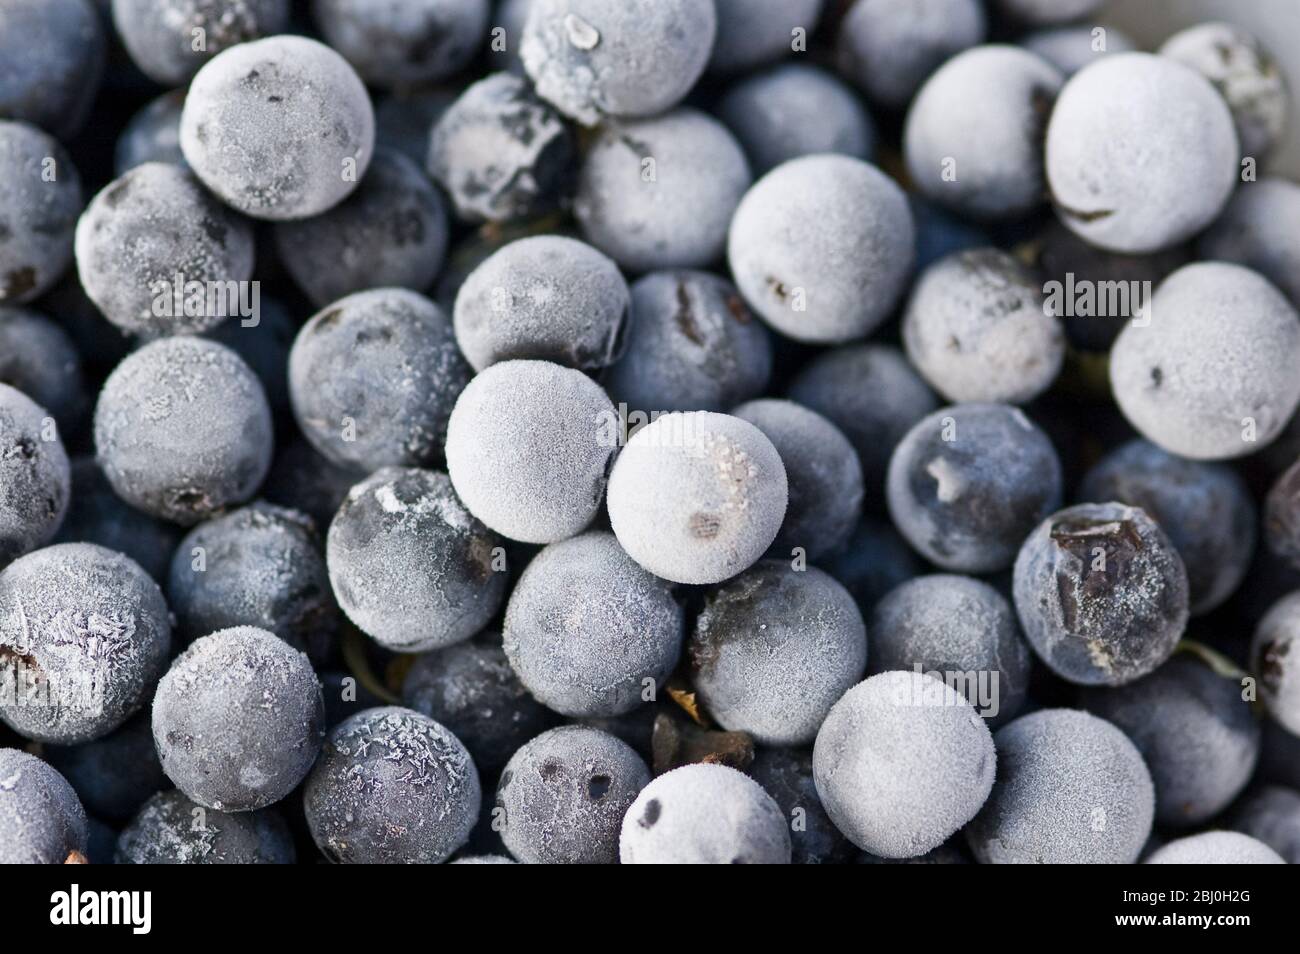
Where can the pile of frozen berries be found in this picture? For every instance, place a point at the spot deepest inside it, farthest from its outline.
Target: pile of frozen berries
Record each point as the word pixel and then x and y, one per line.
pixel 647 431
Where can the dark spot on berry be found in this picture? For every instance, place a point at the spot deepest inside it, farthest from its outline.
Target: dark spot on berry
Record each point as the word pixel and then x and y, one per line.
pixel 598 785
pixel 651 814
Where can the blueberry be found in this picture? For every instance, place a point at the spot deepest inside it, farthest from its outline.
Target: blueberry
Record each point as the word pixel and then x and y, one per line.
pixel 773 649
pixel 280 128
pixel 968 483
pixel 40 198
pixel 153 134
pixel 822 247
pixel 1048 12
pixel 1071 789
pixel 753 33
pixel 1101 593
pixel 88 626
pixel 1137 101
pixel 113 775
pixel 1273 661
pixel 54 54
pixel 373 379
pixel 501 153
pixel 408 563
pixel 390 232
pixel 1071 48
pixel 1211 374
pixel 174 830
pixel 1260 228
pixel 183 430
pixel 391 786
pixel 659 192
pixel 1271 814
pixel 873 561
pixel 146 236
pixel 238 719
pixel 38 358
pixel 549 298
pixel 41 820
pixel 170 39
pixel 1215 848
pixel 1282 516
pixel 564 795
pixel 901 763
pixel 1197 736
pixel 697 497
pixel 704 814
pixel 589 632
pixel 787 776
pixel 301 478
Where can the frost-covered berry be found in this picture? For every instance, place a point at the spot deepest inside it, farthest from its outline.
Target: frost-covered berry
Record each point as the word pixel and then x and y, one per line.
pixel 40 199
pixel 889 47
pixel 529 445
pixel 373 378
pixel 1071 789
pixel 660 192
pixel 392 231
pixel 901 763
pixel 38 358
pixel 823 476
pixel 1205 509
pixel 1101 593
pixel 1215 848
pixel 588 631
pixel 238 719
pixel 98 515
pixel 87 632
pixel 704 814
pixel 795 110
pixel 1260 228
pixel 563 796
pixel 170 39
pixel 1048 12
pixel 822 247
pixel 697 497
pixel 1137 103
pixel 1243 70
pixel 974 133
pixel 146 236
pixel 1071 48
pixel 173 830
pixel 774 649
pixel 752 33
pixel 410 565
pixel 1271 814
pixel 153 134
pixel 183 430
pixel 404 42
pixel 1282 516
pixel 1092 315
pixel 261 566
pixel 500 152
pixel 1197 736
pixel 875 559
pixel 264 339
pixel 34 475
pixel 597 58
pixel 692 345
pixel 471 689
pixel 391 787
pixel 977 329
pixel 483 860
pixel 787 776
pixel 41 820
pixel 1275 661
pixel 968 483
pixel 53 52
pixel 547 298
pixel 1211 374
pixel 113 775
pixel 280 128
pixel 870 393
pixel 954 624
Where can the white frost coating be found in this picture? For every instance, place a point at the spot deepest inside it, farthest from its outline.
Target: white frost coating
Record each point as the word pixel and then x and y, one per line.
pixel 697 497
pixel 271 126
pixel 752 33
pixel 822 247
pixel 1071 789
pixel 159 35
pixel 901 763
pixel 1137 104
pixel 983 110
pixel 1275 657
pixel 39 216
pixel 1260 228
pixel 35 476
pixel 41 818
pixel 976 329
pixel 1213 374
pixel 595 58
pixel 1216 848
pixel 1072 48
pixel 704 814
